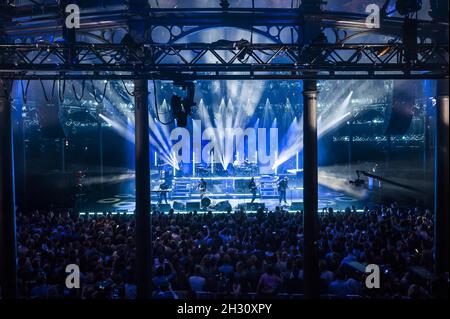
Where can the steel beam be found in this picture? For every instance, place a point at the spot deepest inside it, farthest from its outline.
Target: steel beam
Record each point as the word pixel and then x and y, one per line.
pixel 310 190
pixel 441 182
pixel 142 214
pixel 27 21
pixel 231 59
pixel 8 255
pixel 219 76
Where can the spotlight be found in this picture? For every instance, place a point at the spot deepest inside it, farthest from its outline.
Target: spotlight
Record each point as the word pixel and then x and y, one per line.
pixel 179 113
pixel 405 7
pixel 243 45
pixel 224 4
pixel 129 41
pixel 358 182
pixel 386 50
pixel 182 107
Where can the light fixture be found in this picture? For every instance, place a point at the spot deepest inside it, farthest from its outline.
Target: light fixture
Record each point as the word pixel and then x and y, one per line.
pixel 405 7
pixel 224 4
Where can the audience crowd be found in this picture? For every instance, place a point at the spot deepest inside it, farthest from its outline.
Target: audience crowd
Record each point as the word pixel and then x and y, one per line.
pixel 233 255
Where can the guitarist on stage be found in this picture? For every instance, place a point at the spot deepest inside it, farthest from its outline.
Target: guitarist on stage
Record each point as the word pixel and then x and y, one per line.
pixel 282 188
pixel 202 188
pixel 253 188
pixel 162 194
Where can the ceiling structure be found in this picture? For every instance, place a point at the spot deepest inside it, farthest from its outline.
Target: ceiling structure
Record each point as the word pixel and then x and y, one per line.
pixel 279 43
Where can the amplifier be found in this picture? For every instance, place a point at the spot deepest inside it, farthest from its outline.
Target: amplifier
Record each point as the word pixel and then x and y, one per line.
pixel 179 206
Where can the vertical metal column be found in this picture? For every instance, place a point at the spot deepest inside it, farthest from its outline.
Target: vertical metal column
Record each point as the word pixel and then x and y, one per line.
pixel 100 151
pixel 441 181
pixel 69 35
pixel 310 189
pixel 8 255
pixel 350 146
pixel 19 154
pixel 144 258
pixel 63 154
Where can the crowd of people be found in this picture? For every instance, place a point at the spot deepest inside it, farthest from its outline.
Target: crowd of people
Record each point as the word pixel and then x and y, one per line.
pixel 231 255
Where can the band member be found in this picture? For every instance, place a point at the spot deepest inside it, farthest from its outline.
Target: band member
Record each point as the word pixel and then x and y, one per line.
pixel 282 188
pixel 202 187
pixel 252 187
pixel 162 193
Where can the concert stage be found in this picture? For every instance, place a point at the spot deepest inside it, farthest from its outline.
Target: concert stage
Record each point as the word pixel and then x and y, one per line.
pixel 114 201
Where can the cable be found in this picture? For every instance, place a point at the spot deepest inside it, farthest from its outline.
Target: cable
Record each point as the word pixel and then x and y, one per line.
pixel 53 88
pixel 43 90
pixel 95 94
pixel 11 86
pixel 24 93
pixel 61 97
pixel 126 90
pixel 82 90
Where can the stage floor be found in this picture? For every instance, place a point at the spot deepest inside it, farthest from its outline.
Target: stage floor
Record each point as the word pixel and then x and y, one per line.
pixel 125 202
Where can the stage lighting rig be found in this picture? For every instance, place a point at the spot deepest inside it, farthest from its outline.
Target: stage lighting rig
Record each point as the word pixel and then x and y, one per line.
pixel 406 7
pixel 129 41
pixel 224 4
pixel 182 107
pixel 132 45
pixel 387 49
pixel 242 45
pixel 246 50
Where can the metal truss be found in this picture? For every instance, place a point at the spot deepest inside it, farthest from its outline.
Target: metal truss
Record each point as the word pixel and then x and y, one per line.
pixel 36 21
pixel 223 60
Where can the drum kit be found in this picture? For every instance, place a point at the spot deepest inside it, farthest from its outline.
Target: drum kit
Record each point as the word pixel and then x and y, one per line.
pixel 246 169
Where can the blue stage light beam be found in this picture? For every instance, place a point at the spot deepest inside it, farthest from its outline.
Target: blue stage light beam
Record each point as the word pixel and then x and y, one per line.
pixel 123 131
pixel 331 119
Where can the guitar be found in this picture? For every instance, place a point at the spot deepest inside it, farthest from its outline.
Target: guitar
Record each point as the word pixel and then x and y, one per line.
pixel 202 187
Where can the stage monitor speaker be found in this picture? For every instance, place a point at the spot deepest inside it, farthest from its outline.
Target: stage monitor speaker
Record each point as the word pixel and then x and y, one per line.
pixel 399 115
pixel 179 206
pixel 254 206
pixel 205 202
pixel 191 206
pixel 297 206
pixel 224 206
